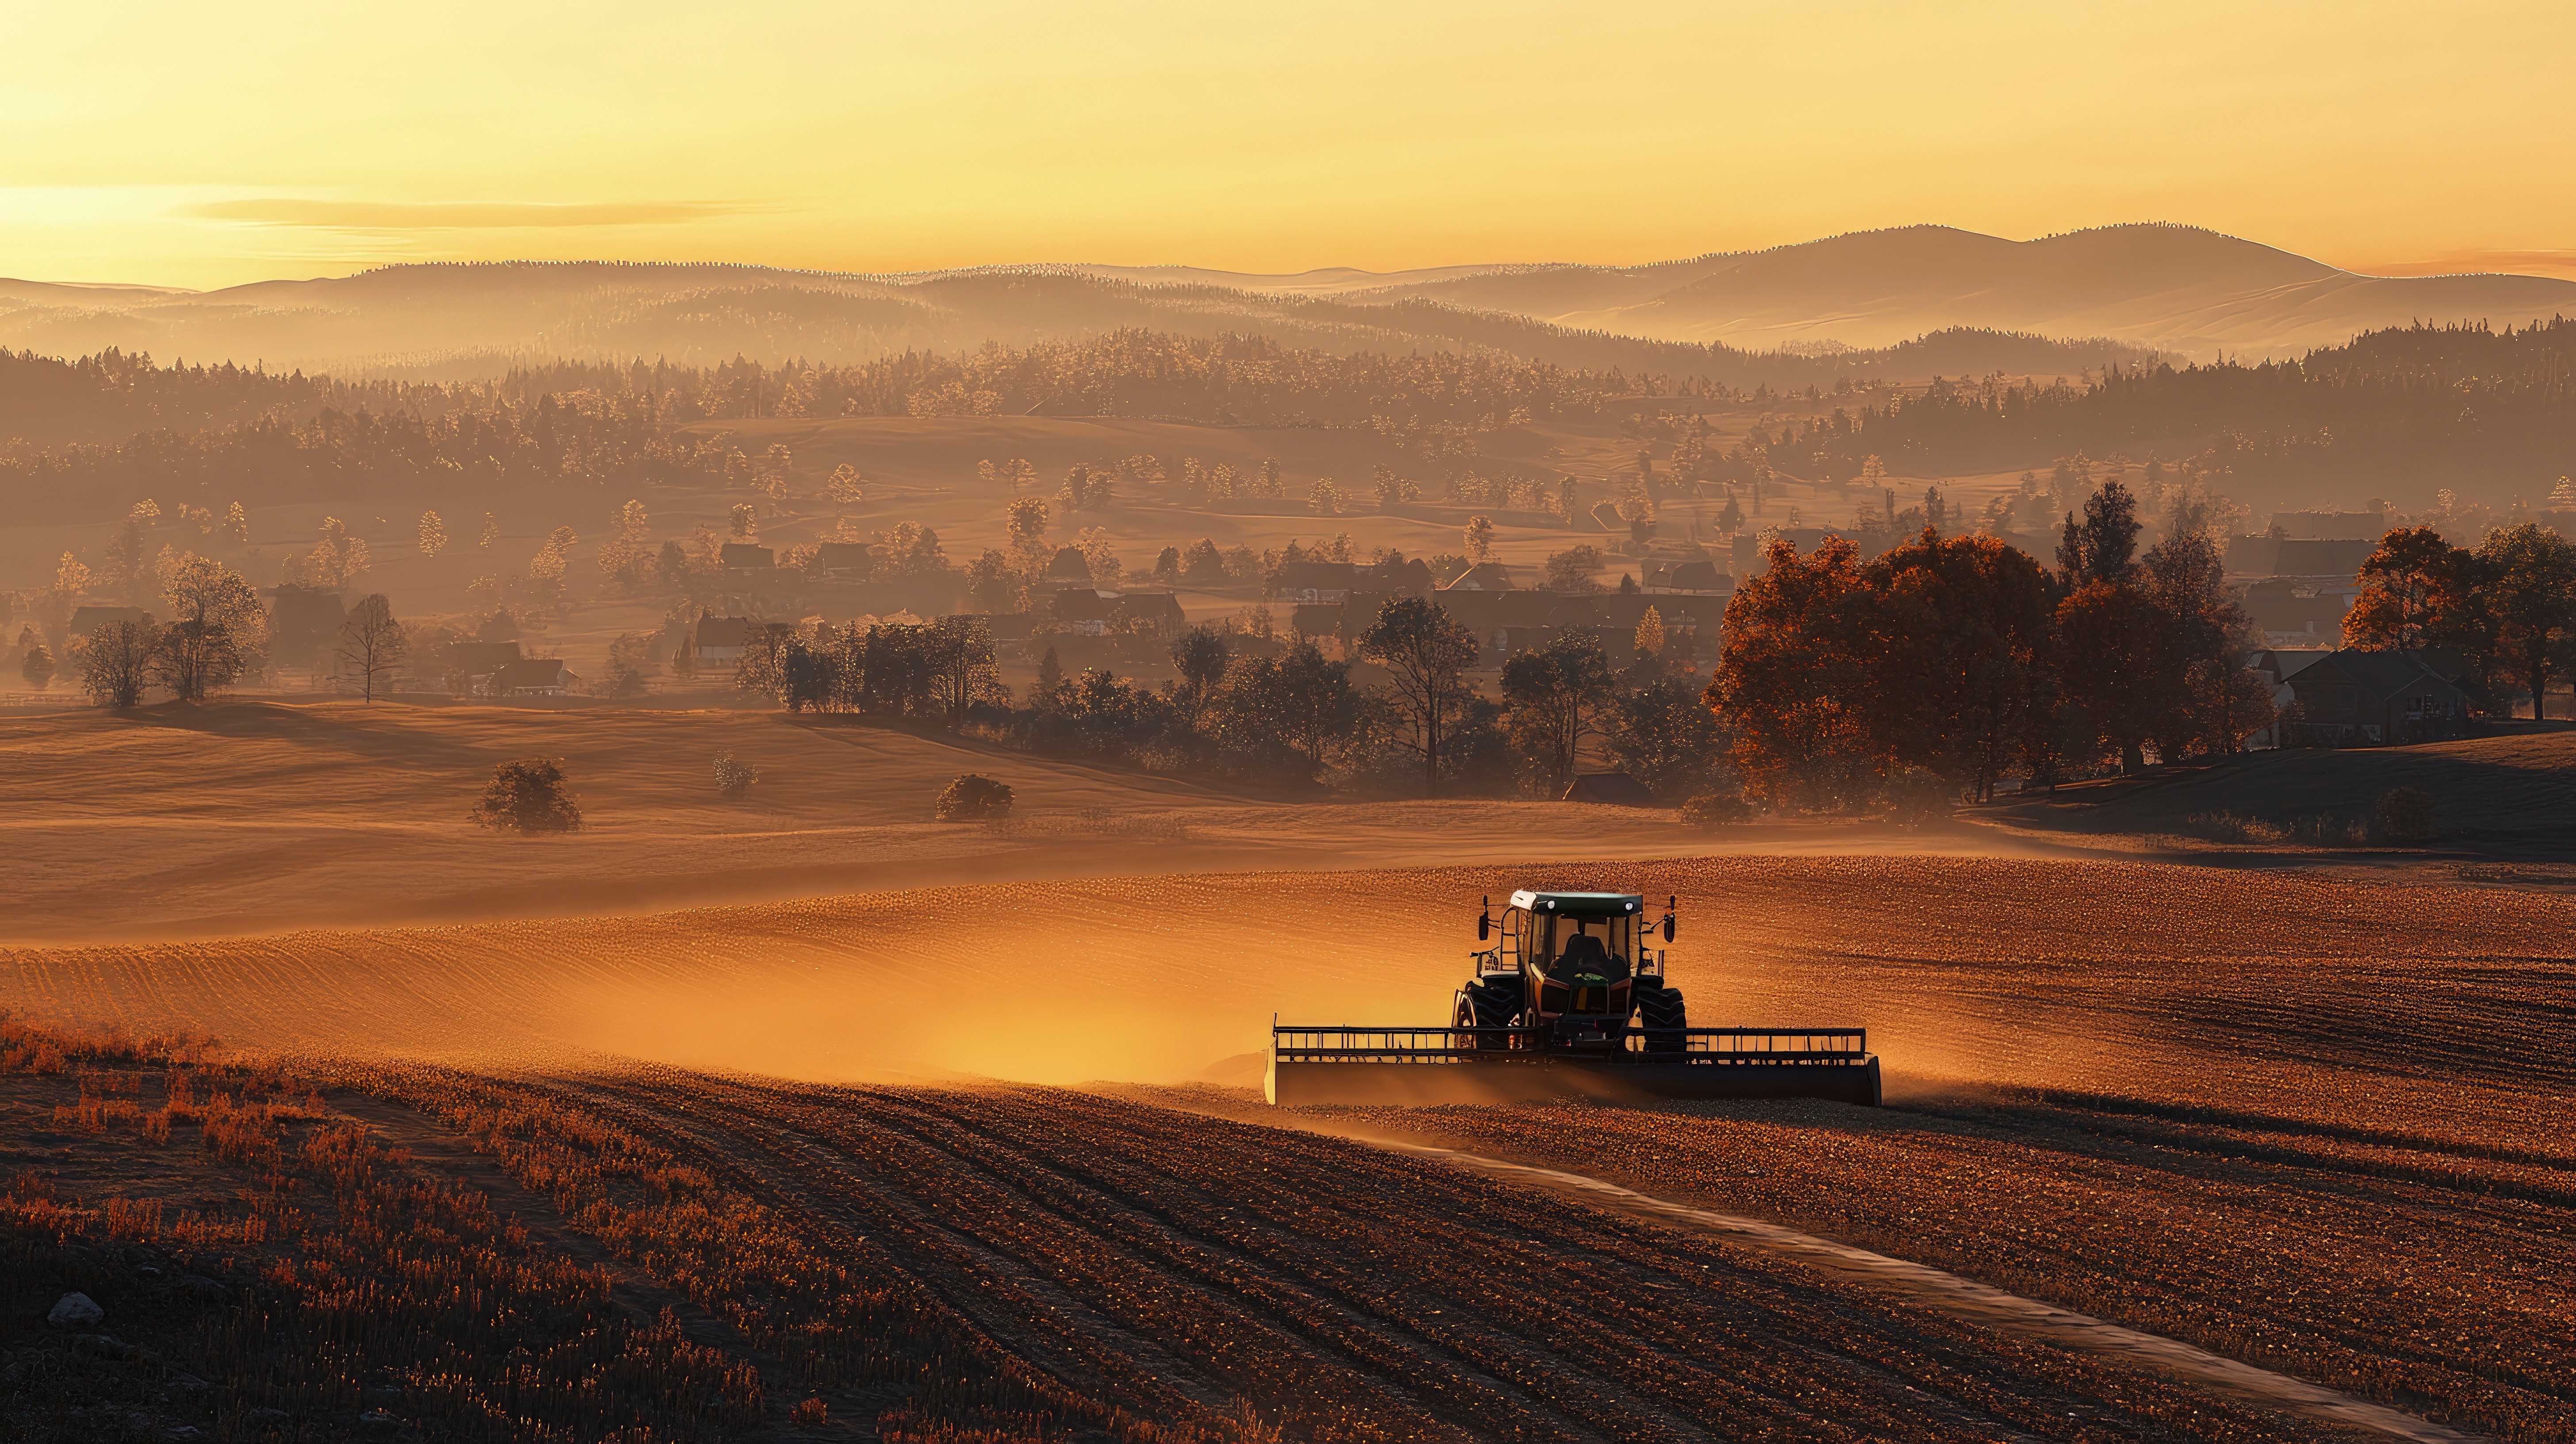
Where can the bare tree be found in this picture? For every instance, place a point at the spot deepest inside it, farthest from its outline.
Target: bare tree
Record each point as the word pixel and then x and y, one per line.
pixel 117 662
pixel 1424 650
pixel 371 643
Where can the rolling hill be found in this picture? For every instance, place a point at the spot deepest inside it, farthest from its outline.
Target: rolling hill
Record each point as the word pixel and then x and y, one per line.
pixel 2057 305
pixel 468 322
pixel 2173 287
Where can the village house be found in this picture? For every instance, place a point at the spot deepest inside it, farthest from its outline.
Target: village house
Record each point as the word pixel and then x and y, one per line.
pixel 478 661
pixel 2351 695
pixel 532 677
pixel 721 640
pixel 843 561
pixel 1316 582
pixel 1070 569
pixel 1482 577
pixel 1083 611
pixel 1151 614
pixel 1697 576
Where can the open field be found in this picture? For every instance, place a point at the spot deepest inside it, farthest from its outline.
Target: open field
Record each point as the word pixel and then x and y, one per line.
pixel 174 822
pixel 674 1256
pixel 2304 1119
pixel 2314 993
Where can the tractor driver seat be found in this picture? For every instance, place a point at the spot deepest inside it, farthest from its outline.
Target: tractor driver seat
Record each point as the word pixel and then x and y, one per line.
pixel 1585 954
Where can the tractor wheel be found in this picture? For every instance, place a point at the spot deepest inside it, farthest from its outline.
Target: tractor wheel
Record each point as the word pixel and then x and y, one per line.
pixel 1480 1006
pixel 1660 1013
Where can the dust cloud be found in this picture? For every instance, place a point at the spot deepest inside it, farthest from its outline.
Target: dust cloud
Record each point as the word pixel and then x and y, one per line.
pixel 1966 972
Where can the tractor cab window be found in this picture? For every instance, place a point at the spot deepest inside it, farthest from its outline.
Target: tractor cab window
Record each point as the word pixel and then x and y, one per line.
pixel 1604 946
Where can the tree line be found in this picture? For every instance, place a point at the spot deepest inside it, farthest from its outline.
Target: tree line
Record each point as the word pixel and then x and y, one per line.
pixel 2454 402
pixel 2506 607
pixel 1965 659
pixel 1255 708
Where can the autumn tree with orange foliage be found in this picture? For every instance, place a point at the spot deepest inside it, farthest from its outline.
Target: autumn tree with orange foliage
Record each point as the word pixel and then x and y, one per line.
pixel 2416 590
pixel 1794 677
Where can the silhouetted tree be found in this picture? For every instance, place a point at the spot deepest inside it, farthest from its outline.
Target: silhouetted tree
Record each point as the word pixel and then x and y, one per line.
pixel 2530 582
pixel 371 643
pixel 530 795
pixel 117 662
pixel 1555 696
pixel 1425 651
pixel 2103 546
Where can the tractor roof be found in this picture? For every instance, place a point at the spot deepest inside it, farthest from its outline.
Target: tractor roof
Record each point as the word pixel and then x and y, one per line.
pixel 1590 904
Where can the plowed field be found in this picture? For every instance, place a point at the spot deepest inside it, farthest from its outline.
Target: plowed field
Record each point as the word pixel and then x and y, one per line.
pixel 2315 1125
pixel 744 1260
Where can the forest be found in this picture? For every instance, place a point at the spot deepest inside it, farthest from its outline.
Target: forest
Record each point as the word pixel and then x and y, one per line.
pixel 2427 405
pixel 2460 402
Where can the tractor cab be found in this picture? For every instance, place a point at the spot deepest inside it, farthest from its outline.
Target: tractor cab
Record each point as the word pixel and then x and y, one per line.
pixel 1567 967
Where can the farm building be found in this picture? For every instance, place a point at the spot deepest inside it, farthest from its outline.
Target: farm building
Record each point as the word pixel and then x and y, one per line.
pixel 1482 577
pixel 2354 696
pixel 721 639
pixel 532 677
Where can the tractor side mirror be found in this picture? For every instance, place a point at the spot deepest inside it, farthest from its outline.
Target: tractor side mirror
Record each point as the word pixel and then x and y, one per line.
pixel 1668 927
pixel 1485 920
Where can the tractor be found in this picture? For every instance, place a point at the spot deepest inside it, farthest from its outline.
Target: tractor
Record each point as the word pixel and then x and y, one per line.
pixel 1569 999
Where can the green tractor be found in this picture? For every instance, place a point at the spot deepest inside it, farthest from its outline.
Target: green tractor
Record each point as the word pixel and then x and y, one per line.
pixel 1569 1000
pixel 1570 971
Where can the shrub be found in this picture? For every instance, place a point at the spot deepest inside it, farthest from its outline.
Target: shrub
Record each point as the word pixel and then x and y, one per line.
pixel 733 775
pixel 1716 809
pixel 1917 795
pixel 973 798
pixel 529 795
pixel 2230 826
pixel 2406 815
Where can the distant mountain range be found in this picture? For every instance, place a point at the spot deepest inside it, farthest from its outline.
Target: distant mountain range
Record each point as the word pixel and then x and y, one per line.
pixel 1785 316
pixel 2171 287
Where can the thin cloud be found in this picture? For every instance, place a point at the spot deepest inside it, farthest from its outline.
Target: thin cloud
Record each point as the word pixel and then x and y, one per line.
pixel 460 216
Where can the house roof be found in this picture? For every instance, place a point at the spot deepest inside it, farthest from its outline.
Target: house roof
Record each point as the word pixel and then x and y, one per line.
pixel 1697 574
pixel 1306 576
pixel 1081 604
pixel 532 672
pixel 484 658
pixel 2384 675
pixel 1150 604
pixel 744 554
pixel 2287 662
pixel 1412 575
pixel 1482 577
pixel 842 554
pixel 726 631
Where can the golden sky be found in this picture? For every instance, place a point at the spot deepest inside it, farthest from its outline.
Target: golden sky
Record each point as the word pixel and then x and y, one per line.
pixel 201 145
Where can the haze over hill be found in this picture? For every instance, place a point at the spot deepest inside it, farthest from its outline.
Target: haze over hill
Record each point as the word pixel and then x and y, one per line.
pixel 2171 287
pixel 462 322
pixel 2066 304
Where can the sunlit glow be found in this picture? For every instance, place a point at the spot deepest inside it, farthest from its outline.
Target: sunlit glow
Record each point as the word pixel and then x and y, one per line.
pixel 192 145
